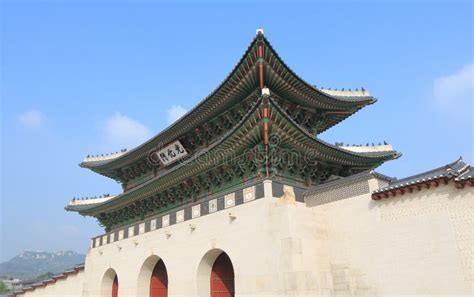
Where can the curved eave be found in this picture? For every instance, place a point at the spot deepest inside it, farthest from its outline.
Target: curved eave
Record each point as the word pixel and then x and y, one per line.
pixel 181 171
pixel 337 119
pixel 80 208
pixel 312 92
pixel 78 204
pixel 91 164
pixel 305 138
pixel 242 79
pixel 180 126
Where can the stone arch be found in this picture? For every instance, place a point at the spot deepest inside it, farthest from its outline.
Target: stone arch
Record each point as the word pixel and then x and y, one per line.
pixel 110 284
pixel 153 278
pixel 216 265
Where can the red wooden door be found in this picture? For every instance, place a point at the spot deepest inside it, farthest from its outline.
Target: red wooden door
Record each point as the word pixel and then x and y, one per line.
pixel 222 277
pixel 115 287
pixel 159 281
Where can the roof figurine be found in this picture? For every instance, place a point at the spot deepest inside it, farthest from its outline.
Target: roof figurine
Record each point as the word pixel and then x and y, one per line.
pixel 261 107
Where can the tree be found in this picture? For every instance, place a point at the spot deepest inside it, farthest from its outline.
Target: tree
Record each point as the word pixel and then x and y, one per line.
pixel 3 287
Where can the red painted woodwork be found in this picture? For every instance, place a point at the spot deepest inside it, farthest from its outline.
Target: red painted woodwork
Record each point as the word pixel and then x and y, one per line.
pixel 222 277
pixel 260 65
pixel 159 281
pixel 115 286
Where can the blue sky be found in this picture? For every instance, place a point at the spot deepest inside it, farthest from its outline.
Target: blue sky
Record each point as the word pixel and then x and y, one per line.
pixel 84 77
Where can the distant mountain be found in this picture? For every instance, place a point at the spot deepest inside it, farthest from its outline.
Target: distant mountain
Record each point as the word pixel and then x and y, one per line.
pixel 29 265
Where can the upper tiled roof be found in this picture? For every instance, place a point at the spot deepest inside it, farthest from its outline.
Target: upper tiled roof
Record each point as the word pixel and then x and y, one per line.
pixel 241 83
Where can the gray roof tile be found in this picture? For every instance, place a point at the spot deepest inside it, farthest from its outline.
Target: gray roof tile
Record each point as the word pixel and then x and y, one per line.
pixel 457 170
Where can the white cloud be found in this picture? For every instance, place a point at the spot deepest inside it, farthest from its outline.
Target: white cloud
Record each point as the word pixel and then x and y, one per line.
pixel 31 118
pixel 124 131
pixel 175 112
pixel 454 93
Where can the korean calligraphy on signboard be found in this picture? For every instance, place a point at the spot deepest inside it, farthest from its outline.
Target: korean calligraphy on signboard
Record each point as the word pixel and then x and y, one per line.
pixel 169 154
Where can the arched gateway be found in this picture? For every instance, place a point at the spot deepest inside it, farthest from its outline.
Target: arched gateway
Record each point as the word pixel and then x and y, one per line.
pixel 222 277
pixel 159 281
pixel 110 284
pixel 153 278
pixel 212 162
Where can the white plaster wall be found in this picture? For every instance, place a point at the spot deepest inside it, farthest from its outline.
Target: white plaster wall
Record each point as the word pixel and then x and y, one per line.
pixel 418 244
pixel 270 244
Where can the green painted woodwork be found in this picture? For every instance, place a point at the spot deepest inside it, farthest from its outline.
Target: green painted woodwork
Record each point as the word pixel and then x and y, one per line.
pixel 237 156
pixel 224 137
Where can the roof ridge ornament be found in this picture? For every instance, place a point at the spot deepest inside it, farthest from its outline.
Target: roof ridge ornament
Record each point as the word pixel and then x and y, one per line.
pixel 369 147
pixel 90 200
pixel 345 92
pixel 260 58
pixel 106 156
pixel 259 31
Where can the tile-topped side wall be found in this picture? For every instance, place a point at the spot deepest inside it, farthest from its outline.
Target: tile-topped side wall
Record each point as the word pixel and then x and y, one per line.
pixel 64 285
